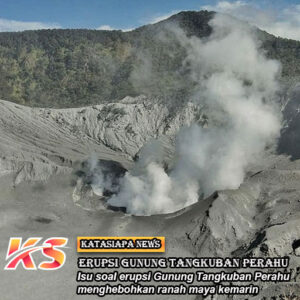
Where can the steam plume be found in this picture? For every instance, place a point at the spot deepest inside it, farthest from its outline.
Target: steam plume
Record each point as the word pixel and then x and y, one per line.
pixel 237 85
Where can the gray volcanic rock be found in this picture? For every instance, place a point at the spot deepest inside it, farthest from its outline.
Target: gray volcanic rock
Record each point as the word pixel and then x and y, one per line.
pixel 259 219
pixel 289 142
pixel 38 142
pixel 44 146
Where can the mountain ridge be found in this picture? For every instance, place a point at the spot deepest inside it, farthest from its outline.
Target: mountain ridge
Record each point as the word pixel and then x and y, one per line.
pixel 63 68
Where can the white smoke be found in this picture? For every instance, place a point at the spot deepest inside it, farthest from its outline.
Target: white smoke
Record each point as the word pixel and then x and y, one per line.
pixel 99 181
pixel 237 83
pixel 280 21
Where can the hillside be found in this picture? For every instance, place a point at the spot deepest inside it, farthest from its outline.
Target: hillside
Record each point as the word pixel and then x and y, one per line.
pixel 193 159
pixel 245 222
pixel 76 67
pixel 64 137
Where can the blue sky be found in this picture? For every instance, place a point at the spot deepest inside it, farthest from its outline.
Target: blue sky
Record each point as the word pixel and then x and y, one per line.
pixel 93 13
pixel 126 14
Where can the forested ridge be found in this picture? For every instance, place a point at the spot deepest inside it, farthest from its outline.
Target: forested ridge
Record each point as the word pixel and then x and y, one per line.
pixel 77 67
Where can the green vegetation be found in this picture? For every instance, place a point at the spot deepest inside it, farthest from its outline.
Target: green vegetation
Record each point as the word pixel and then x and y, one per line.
pixel 68 68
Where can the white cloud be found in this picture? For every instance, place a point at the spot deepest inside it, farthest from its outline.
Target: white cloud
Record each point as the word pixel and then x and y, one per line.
pixel 105 27
pixel 127 29
pixel 285 23
pixel 108 27
pixel 150 20
pixel 159 18
pixel 12 25
pixel 224 5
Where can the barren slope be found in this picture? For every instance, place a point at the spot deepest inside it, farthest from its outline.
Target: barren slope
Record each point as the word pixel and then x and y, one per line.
pixel 38 142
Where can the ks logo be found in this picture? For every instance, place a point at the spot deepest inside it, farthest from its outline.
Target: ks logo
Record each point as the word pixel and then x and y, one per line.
pixel 22 253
